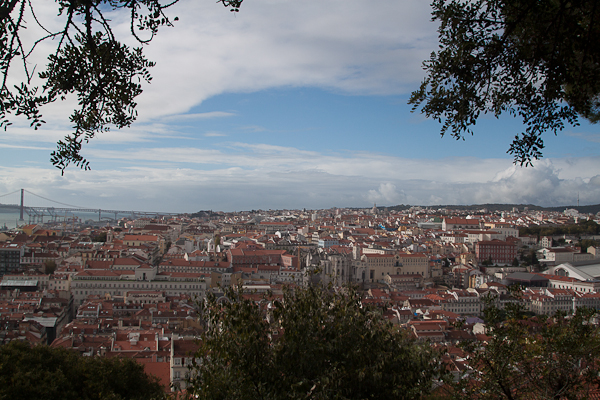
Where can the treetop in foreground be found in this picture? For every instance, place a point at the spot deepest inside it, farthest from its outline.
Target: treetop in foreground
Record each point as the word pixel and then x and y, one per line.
pixel 532 357
pixel 314 343
pixel 42 372
pixel 88 62
pixel 535 59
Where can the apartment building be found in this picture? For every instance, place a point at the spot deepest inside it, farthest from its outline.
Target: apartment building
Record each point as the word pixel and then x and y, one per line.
pixel 116 283
pixel 498 251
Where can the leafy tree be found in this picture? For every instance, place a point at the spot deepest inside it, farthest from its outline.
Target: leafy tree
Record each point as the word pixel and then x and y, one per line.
pixel 89 62
pixel 536 59
pixel 100 237
pixel 582 228
pixel 530 257
pixel 488 262
pixel 587 243
pixel 313 343
pixel 43 372
pixel 49 266
pixel 532 358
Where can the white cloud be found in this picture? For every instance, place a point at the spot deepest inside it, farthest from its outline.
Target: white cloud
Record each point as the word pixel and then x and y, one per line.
pixel 254 184
pixel 206 115
pixel 12 146
pixel 253 128
pixel 386 194
pixel 544 185
pixel 590 137
pixel 595 181
pixel 284 158
pixel 346 46
pixel 351 46
pixel 18 134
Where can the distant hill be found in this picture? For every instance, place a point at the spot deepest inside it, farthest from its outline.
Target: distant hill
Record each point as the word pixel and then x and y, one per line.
pixel 203 214
pixel 592 209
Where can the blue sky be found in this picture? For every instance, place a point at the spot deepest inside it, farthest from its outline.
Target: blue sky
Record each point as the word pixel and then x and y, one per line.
pixel 291 104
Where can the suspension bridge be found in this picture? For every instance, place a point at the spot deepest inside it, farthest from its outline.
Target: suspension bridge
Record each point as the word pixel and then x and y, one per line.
pixel 56 213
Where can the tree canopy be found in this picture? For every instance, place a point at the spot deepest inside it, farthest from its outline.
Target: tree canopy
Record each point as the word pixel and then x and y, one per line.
pixel 584 227
pixel 42 372
pixel 312 343
pixel 532 358
pixel 88 62
pixel 535 59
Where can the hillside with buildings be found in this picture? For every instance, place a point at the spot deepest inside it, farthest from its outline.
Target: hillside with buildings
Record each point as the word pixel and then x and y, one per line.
pixel 131 288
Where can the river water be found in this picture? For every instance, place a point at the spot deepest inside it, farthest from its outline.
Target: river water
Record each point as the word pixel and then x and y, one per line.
pixel 10 220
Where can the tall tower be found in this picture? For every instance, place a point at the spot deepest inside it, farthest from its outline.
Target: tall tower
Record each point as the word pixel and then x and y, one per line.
pixel 22 196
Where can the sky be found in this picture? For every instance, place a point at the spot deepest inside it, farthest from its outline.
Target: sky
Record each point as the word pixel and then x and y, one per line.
pixel 286 105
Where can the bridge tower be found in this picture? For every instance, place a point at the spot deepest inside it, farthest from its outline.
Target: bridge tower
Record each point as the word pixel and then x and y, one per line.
pixel 21 209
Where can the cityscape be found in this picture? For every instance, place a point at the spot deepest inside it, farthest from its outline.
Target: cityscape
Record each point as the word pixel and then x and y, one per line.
pixel 130 287
pixel 299 200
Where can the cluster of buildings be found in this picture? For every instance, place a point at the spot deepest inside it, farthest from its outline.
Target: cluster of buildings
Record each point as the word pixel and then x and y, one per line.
pixel 131 288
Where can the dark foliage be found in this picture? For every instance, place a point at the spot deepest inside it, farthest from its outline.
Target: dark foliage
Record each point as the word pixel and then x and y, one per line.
pixel 535 59
pixel 533 357
pixel 43 372
pixel 313 343
pixel 89 62
pixel 582 228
